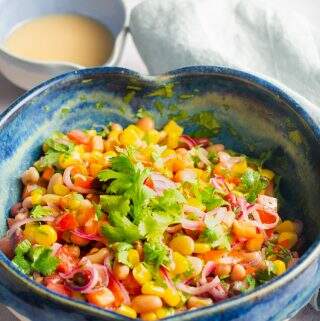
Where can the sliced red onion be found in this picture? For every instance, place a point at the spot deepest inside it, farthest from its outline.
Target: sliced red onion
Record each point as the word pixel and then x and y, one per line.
pixel 229 260
pixel 123 290
pixel 67 180
pixel 15 209
pixel 220 215
pixel 188 141
pixel 268 203
pixel 15 226
pixel 161 183
pixel 198 290
pixel 206 271
pixel 193 210
pixel 192 225
pixel 9 243
pixel 55 248
pixel 265 226
pixel 174 229
pixel 253 259
pixel 93 280
pixel 219 184
pixel 228 161
pixel 90 237
pixel 203 141
pixel 218 293
pixel 103 274
pixel 167 279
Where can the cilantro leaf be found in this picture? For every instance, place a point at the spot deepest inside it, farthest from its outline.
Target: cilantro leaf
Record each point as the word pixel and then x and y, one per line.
pixel 210 199
pixel 23 248
pixel 39 211
pixel 263 276
pixel 22 264
pixel 250 284
pixel 122 249
pixel 156 253
pixel 252 184
pixel 44 262
pixel 55 146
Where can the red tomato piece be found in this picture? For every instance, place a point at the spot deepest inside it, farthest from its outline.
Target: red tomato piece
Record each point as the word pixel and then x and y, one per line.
pixel 131 285
pixel 66 222
pixel 78 136
pixel 85 183
pixel 59 288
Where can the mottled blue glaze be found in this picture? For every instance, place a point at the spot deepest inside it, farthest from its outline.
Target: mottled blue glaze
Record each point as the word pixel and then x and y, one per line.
pixel 255 116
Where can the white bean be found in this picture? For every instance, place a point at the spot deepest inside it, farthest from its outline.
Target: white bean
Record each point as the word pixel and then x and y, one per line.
pixel 30 176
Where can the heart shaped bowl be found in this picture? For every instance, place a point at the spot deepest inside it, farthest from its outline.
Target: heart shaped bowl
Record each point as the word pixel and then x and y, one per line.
pixel 255 117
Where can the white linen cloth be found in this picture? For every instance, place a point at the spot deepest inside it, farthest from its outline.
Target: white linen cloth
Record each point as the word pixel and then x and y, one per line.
pixel 263 37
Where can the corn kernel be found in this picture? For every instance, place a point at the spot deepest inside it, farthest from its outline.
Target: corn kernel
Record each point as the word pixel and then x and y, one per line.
pixel 163 312
pixel 288 239
pixel 141 274
pixel 151 288
pixel 36 197
pixel 255 244
pixel 127 311
pixel 66 161
pixel 196 203
pixel 279 267
pixel 183 244
pixel 79 148
pixel 286 226
pixel 133 257
pixel 94 169
pixel 152 136
pixel 174 131
pixel 29 231
pixel 239 168
pixel 171 297
pixel 131 135
pixel 181 264
pixel 148 316
pixel 61 189
pixel 200 248
pixel 267 173
pixel 96 157
pixel 45 235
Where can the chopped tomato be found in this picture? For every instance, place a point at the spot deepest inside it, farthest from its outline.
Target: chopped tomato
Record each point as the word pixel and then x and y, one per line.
pixel 116 290
pixel 66 222
pixel 84 215
pixel 79 137
pixel 68 260
pixel 78 240
pixel 132 286
pixel 148 182
pixel 213 255
pixel 47 173
pixel 103 298
pixel 85 183
pixel 266 218
pixel 59 288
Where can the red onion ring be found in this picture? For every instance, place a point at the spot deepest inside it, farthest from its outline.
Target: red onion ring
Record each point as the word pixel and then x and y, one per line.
pixel 188 141
pixel 68 182
pixel 192 225
pixel 15 226
pixel 194 210
pixel 228 161
pixel 198 290
pixel 218 293
pixel 90 237
pixel 206 271
pixel 161 183
pixel 103 274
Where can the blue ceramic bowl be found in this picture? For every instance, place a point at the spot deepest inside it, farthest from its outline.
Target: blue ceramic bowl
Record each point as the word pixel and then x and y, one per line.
pixel 255 117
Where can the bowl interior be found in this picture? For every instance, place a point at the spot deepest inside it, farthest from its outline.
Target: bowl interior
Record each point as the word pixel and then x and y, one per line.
pixel 254 120
pixel 111 13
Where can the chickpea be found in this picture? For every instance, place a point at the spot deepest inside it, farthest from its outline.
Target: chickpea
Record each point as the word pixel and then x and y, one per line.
pixel 121 271
pixel 30 176
pixel 146 124
pixel 196 302
pixel 50 199
pixel 115 126
pixel 215 148
pixel 27 202
pixel 146 303
pixel 55 179
pixel 98 257
pixel 223 270
pixel 238 273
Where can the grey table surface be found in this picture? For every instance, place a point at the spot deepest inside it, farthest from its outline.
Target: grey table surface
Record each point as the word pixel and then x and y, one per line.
pixel 132 60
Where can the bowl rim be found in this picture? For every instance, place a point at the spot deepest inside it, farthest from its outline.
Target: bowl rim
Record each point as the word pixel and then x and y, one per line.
pixel 309 257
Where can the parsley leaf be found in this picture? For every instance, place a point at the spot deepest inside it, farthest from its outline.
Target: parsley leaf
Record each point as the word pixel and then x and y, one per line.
pixel 156 253
pixel 39 211
pixel 54 147
pixel 43 261
pixel 210 199
pixel 122 249
pixel 252 184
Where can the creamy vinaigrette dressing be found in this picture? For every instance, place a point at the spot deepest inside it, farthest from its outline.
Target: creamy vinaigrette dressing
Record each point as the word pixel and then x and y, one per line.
pixel 67 37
